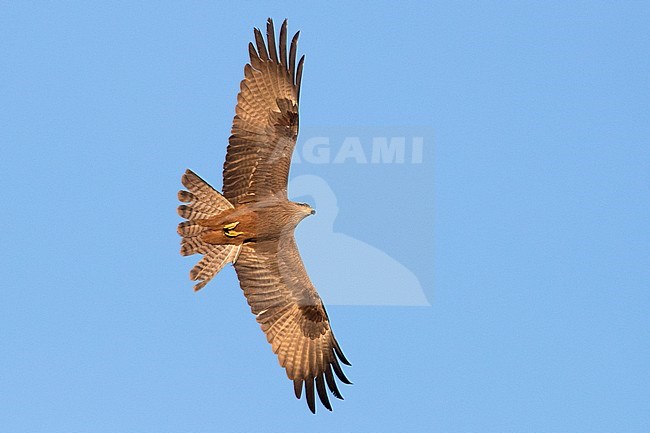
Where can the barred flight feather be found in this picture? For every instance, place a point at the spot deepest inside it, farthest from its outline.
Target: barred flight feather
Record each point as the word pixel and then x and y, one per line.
pixel 271 273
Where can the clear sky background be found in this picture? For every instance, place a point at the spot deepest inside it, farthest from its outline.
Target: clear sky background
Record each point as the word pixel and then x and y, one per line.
pixel 531 240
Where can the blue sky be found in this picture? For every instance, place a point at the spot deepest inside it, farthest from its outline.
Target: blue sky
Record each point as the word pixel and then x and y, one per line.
pixel 526 225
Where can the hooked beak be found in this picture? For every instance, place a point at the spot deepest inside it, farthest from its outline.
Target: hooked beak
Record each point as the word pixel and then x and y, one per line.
pixel 313 211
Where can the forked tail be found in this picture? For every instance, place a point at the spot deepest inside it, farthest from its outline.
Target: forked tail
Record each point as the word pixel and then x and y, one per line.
pixel 202 202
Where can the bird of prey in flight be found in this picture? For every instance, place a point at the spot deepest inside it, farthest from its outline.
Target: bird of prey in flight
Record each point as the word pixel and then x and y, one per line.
pixel 252 224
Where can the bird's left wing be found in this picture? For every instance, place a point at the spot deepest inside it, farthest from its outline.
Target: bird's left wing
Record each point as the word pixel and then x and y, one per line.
pixel 292 316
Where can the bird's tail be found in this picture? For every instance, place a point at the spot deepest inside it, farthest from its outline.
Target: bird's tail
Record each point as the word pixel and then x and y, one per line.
pixel 202 202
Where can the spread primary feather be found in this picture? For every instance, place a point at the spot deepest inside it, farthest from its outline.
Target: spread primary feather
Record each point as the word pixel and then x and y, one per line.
pixel 255 203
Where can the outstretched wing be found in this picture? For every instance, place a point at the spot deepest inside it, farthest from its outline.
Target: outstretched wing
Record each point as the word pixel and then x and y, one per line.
pixel 292 316
pixel 265 126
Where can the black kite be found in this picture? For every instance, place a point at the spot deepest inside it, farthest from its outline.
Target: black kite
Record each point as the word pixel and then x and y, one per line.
pixel 252 224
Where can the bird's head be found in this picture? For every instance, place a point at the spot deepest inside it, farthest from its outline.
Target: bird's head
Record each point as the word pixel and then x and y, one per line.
pixel 304 210
pixel 307 209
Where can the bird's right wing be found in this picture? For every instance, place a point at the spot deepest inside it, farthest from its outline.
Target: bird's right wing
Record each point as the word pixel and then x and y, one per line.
pixel 265 127
pixel 292 316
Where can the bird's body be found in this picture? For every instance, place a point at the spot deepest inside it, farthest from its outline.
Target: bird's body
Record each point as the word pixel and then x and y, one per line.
pixel 252 224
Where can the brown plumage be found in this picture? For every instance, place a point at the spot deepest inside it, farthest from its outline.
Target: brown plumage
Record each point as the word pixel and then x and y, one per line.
pixel 251 225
